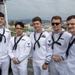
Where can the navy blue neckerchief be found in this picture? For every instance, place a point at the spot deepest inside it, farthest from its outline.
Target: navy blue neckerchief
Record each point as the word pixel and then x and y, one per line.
pixel 69 45
pixel 15 43
pixel 56 42
pixel 2 35
pixel 37 41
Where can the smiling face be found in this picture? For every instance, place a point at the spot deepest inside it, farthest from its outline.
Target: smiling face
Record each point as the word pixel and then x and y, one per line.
pixel 1 21
pixel 56 25
pixel 37 26
pixel 71 25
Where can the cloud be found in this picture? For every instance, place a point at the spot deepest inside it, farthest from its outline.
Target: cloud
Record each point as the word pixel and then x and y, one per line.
pixel 22 9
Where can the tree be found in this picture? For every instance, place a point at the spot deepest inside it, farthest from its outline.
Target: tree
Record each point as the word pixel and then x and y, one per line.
pixel 11 23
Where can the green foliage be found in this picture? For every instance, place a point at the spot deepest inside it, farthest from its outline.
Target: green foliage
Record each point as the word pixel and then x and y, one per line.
pixel 25 29
pixel 11 23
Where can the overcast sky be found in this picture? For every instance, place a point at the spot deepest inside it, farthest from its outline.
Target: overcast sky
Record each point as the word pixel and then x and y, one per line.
pixel 27 9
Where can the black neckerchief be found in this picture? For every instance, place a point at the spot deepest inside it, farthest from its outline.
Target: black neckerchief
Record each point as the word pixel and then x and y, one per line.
pixel 37 41
pixel 2 35
pixel 15 43
pixel 56 40
pixel 69 45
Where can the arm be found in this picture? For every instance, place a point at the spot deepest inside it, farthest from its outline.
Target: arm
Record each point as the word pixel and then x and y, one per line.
pixel 31 52
pixel 48 53
pixel 10 51
pixel 58 58
pixel 48 50
pixel 26 51
pixel 31 55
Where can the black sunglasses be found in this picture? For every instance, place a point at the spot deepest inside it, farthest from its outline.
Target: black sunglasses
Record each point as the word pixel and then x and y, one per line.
pixel 56 23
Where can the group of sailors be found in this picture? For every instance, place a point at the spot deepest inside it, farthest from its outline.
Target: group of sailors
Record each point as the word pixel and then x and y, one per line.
pixel 45 50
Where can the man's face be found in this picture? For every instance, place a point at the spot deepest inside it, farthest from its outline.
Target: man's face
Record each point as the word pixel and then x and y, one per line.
pixel 37 25
pixel 19 30
pixel 56 24
pixel 1 21
pixel 71 25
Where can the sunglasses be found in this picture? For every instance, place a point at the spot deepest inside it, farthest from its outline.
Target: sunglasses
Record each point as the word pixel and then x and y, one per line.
pixel 55 24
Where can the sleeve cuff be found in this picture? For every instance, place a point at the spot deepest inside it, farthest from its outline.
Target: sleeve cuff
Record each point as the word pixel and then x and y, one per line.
pixel 47 62
pixel 62 58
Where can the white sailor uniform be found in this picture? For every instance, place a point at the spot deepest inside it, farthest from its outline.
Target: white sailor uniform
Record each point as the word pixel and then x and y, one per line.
pixel 70 69
pixel 4 59
pixel 39 51
pixel 20 51
pixel 58 44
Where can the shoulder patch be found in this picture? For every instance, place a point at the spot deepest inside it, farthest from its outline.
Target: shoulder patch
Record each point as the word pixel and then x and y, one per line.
pixel 23 39
pixel 49 43
pixel 28 44
pixel 43 36
pixel 7 31
pixel 62 38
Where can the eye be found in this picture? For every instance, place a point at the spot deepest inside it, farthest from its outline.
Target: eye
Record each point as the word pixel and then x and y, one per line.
pixel 70 24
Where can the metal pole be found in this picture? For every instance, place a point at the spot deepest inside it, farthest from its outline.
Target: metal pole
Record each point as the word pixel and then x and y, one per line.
pixel 0 7
pixel 6 18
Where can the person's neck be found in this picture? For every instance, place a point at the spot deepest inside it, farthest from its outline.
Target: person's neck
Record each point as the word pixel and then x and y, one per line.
pixel 58 31
pixel 19 35
pixel 39 31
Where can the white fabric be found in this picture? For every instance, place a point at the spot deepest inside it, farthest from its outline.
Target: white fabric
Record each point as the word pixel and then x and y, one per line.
pixel 38 69
pixel 4 59
pixel 3 46
pixel 39 55
pixel 4 65
pixel 21 53
pixel 20 69
pixel 70 70
pixel 58 68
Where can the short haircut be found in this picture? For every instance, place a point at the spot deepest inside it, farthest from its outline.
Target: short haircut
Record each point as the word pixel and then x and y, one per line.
pixel 37 19
pixel 70 17
pixel 1 14
pixel 19 23
pixel 57 17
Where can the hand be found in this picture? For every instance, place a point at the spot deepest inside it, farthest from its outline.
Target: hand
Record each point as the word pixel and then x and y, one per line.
pixel 30 60
pixel 57 58
pixel 15 61
pixel 44 66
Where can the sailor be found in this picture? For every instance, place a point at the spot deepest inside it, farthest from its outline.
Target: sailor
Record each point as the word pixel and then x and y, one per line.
pixel 58 43
pixel 70 69
pixel 19 48
pixel 4 39
pixel 39 47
